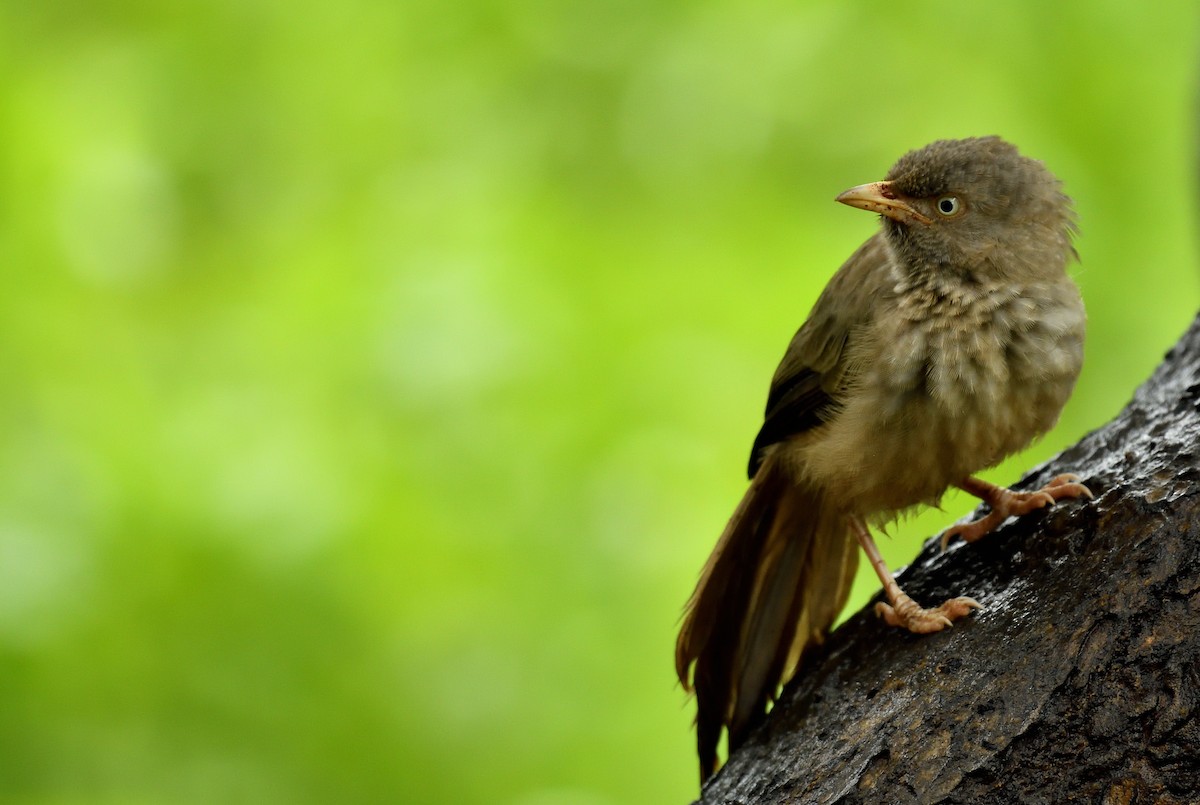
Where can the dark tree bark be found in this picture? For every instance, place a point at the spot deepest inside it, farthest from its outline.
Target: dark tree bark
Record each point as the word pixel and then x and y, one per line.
pixel 1078 682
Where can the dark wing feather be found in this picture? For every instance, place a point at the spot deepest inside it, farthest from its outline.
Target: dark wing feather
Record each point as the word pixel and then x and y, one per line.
pixel 814 370
pixel 794 406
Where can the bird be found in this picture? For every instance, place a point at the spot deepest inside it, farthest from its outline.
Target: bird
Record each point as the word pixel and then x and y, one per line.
pixel 951 339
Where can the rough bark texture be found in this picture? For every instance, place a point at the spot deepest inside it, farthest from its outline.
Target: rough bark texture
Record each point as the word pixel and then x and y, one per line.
pixel 1079 682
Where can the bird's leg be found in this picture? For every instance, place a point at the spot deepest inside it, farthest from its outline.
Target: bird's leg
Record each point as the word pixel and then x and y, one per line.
pixel 1006 503
pixel 902 610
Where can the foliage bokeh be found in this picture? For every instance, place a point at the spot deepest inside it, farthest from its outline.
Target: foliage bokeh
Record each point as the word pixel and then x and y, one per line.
pixel 379 375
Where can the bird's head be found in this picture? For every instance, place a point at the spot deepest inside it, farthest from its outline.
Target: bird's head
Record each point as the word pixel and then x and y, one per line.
pixel 974 207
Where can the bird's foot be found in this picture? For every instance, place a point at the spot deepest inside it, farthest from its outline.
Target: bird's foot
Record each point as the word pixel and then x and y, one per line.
pixel 1006 503
pixel 907 614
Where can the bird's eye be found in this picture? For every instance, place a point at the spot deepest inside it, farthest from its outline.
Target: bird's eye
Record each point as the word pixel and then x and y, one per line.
pixel 949 206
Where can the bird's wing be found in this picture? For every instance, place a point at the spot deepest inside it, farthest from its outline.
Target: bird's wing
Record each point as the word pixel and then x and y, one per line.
pixel 816 367
pixel 782 568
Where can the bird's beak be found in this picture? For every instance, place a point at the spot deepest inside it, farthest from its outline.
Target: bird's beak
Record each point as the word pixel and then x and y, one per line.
pixel 880 197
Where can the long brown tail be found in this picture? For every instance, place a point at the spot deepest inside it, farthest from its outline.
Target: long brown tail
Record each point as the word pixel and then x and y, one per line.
pixel 774 584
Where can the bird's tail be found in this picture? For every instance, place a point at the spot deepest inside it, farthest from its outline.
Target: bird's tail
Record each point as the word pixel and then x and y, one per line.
pixel 773 585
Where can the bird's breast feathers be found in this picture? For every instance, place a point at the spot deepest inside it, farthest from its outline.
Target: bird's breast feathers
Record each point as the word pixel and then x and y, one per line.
pixel 978 373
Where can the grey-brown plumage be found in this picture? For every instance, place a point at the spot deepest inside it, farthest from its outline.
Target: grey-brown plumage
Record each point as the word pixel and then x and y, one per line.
pixel 949 340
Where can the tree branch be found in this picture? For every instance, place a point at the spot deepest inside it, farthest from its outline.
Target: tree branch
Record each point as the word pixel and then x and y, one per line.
pixel 1079 681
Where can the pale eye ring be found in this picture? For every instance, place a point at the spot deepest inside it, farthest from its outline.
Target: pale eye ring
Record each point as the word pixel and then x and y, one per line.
pixel 948 206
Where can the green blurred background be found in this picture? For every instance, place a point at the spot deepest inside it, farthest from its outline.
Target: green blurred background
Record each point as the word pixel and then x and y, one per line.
pixel 377 376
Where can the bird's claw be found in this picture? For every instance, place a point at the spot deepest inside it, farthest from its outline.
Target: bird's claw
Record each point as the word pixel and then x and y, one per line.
pixel 907 614
pixel 1006 503
pixel 1067 485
